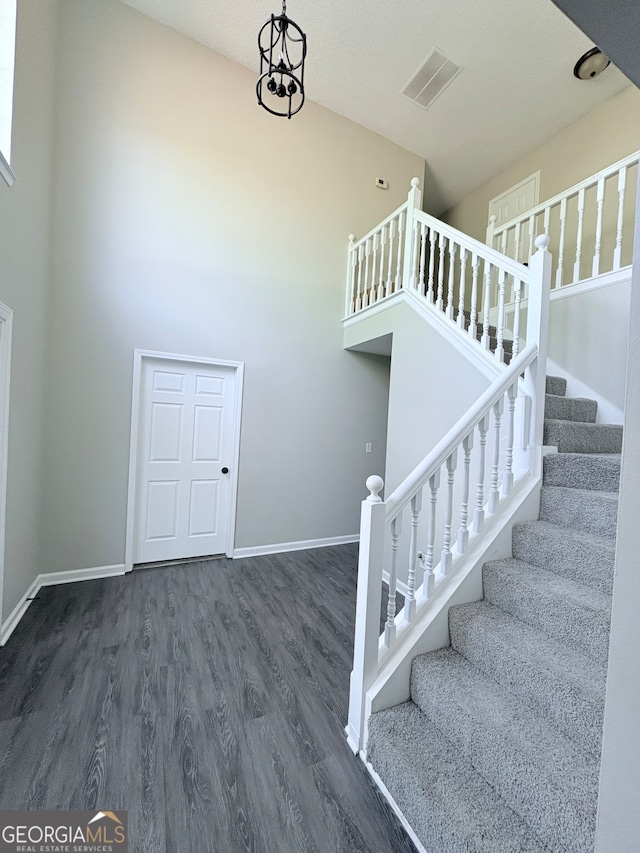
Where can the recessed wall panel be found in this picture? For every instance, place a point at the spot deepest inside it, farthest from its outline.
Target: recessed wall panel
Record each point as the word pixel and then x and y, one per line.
pixel 165 381
pixel 203 508
pixel 211 385
pixel 207 434
pixel 162 510
pixel 166 432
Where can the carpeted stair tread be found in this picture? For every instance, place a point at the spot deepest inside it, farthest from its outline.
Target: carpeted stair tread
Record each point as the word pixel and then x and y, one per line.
pixel 556 681
pixel 573 613
pixel 556 385
pixel 536 769
pixel 574 554
pixel 582 509
pixel 598 471
pixel 578 437
pixel 450 807
pixel 570 408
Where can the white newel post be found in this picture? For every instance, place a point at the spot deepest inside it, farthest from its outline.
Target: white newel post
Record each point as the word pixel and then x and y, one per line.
pixel 538 332
pixel 368 603
pixel 351 270
pixel 490 230
pixel 414 202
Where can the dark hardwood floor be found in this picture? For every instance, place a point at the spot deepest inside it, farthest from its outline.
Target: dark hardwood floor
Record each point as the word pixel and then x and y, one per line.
pixel 208 700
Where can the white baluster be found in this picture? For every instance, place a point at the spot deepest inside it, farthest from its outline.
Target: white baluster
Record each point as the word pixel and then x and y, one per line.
pixel 432 260
pixel 463 286
pixel 452 271
pixel 478 515
pixel 410 597
pixel 502 287
pixel 463 531
pixel 532 233
pixel 595 267
pixel 442 243
pixel 563 225
pixel 373 296
pixel 486 304
pixel 383 240
pixel 366 296
pixel 617 253
pixel 359 294
pixel 516 248
pixel 351 277
pixel 426 560
pixel 399 282
pixel 576 266
pixel 390 625
pixel 494 494
pixel 423 256
pixel 518 286
pixel 392 234
pixel 505 240
pixel 445 560
pixel 507 479
pixel 473 317
pixel 546 220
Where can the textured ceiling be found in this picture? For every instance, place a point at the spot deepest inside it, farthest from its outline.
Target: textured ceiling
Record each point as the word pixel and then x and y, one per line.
pixel 516 89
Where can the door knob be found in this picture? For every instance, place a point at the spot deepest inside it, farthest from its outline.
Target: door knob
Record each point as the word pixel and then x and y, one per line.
pixel 225 470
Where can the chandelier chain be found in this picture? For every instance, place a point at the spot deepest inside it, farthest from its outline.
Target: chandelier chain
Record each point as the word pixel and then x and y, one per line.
pixel 284 7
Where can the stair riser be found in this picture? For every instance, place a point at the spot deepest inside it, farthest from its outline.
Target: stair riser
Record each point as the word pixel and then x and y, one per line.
pixel 572 437
pixel 580 627
pixel 570 409
pixel 574 710
pixel 556 385
pixel 447 804
pixel 582 472
pixel 523 783
pixel 586 562
pixel 586 511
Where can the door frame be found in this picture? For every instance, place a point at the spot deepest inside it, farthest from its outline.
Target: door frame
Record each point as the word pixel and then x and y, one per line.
pixel 6 332
pixel 139 356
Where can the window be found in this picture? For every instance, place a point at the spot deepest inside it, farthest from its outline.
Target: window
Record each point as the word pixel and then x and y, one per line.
pixel 7 64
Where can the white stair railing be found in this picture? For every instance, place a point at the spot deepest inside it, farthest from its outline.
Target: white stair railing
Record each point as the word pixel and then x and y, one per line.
pixel 590 225
pixel 462 280
pixel 449 495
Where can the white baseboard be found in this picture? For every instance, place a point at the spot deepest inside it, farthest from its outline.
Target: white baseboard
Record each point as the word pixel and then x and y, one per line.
pixel 18 612
pixel 304 545
pixel 52 579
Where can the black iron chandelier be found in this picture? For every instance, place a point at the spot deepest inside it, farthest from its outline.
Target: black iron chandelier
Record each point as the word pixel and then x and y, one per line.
pixel 283 48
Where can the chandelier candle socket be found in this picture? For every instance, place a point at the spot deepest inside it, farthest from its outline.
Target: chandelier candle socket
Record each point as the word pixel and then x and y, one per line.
pixel 283 48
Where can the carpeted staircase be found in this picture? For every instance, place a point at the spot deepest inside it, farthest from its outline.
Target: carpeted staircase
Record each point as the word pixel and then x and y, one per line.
pixel 499 748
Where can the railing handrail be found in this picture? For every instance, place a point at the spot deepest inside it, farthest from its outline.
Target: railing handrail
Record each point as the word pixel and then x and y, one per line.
pixel 504 262
pixel 380 225
pixel 629 160
pixel 433 461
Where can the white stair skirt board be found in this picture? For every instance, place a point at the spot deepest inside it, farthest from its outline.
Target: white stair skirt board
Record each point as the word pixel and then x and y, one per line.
pixel 607 413
pixel 303 545
pixel 385 793
pixel 53 579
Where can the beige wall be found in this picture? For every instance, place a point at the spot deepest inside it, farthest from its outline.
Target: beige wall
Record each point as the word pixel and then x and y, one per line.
pixel 189 220
pixel 24 274
pixel 600 138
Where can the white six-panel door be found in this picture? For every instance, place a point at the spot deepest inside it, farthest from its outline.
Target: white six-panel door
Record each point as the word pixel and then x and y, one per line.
pixel 184 483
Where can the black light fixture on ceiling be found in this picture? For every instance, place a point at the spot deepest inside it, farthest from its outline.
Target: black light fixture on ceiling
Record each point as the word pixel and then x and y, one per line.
pixel 283 48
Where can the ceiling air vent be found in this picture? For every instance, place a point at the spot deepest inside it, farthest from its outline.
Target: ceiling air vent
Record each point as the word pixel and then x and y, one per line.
pixel 433 76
